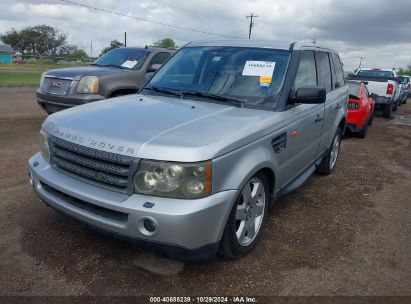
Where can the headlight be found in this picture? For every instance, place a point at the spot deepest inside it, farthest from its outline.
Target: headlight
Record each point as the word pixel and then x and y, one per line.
pixel 42 79
pixel 177 180
pixel 88 85
pixel 44 145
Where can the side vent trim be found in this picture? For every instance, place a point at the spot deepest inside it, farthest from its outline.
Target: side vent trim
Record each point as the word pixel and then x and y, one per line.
pixel 279 143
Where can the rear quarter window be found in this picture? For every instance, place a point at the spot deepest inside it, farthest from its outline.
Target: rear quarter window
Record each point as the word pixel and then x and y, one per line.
pixel 324 70
pixel 339 74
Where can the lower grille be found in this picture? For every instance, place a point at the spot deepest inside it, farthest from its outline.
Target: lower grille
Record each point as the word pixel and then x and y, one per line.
pixel 105 169
pixel 57 86
pixel 112 215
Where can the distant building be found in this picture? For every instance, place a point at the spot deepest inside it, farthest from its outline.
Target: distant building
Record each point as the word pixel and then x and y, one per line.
pixel 6 53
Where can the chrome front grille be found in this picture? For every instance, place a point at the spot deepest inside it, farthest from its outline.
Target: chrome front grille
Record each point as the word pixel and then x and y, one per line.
pixel 57 86
pixel 97 167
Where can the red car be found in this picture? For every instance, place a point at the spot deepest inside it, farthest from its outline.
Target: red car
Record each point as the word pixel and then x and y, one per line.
pixel 360 108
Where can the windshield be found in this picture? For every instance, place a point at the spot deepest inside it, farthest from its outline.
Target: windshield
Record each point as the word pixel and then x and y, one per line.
pixel 251 75
pixel 375 73
pixel 128 58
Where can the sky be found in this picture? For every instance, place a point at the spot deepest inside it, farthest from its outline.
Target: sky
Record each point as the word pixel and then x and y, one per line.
pixel 377 30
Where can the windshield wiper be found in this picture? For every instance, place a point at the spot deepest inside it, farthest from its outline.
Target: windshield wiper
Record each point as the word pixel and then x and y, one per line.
pixel 96 64
pixel 216 97
pixel 164 90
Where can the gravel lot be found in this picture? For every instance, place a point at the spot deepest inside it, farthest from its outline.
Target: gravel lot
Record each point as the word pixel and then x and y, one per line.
pixel 344 234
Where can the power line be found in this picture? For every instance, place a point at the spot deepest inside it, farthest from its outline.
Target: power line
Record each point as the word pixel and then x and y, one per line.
pixel 147 20
pixel 251 24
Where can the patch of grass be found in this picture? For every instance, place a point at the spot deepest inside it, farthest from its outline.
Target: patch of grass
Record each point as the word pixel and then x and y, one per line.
pixel 16 75
pixel 19 78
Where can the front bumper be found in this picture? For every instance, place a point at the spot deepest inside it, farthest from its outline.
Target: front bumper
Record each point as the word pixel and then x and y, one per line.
pixel 53 103
pixel 184 224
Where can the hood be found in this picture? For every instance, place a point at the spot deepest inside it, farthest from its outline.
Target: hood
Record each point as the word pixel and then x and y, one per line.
pixel 84 71
pixel 161 128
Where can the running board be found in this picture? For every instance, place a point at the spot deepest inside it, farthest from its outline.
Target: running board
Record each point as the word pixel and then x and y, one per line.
pixel 298 181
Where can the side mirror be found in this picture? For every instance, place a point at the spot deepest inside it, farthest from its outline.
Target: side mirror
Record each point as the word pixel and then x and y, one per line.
pixel 149 75
pixel 373 95
pixel 154 67
pixel 309 95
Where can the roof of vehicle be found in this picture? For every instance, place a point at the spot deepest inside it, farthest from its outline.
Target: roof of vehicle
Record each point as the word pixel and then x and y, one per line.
pixel 271 44
pixel 5 48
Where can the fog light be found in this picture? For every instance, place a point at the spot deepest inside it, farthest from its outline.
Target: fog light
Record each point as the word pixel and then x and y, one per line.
pixel 149 225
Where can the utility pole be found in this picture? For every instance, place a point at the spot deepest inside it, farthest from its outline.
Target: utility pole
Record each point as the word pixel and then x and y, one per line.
pixel 125 38
pixel 359 66
pixel 91 49
pixel 251 24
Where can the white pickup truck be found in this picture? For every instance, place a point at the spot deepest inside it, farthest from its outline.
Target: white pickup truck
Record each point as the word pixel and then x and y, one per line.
pixel 383 86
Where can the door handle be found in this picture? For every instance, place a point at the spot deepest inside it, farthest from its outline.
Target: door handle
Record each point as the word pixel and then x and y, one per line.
pixel 338 106
pixel 319 118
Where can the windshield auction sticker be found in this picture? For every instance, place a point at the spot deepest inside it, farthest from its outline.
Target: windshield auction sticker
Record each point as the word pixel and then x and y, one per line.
pixel 259 68
pixel 129 64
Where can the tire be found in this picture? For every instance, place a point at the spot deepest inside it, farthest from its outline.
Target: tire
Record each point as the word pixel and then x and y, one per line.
pixel 387 111
pixel 405 101
pixel 371 119
pixel 363 131
pixel 248 209
pixel 329 160
pixel 395 107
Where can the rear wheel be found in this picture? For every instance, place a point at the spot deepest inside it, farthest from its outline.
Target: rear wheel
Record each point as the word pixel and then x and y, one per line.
pixel 395 107
pixel 371 119
pixel 387 111
pixel 363 131
pixel 243 227
pixel 327 165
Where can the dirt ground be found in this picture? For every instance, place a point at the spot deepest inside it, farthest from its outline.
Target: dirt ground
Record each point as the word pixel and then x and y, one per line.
pixel 344 234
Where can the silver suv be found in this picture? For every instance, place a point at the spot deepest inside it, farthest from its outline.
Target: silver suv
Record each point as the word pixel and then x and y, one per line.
pixel 193 162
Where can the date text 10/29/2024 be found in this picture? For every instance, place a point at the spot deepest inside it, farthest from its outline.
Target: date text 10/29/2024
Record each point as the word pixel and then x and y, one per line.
pixel 205 299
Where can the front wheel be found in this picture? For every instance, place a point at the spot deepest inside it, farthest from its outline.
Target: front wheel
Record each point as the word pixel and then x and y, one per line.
pixel 327 165
pixel 243 227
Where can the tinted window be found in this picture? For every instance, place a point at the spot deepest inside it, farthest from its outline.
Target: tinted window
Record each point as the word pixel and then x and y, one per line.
pixel 339 74
pixel 160 58
pixel 306 74
pixel 252 75
pixel 323 65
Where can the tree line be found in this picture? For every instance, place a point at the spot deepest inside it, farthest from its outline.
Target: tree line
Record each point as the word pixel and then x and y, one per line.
pixel 44 40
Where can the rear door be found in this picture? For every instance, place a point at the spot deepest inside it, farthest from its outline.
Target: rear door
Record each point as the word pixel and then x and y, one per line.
pixel 331 78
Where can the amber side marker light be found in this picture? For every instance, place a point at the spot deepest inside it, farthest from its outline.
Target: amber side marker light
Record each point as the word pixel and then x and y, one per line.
pixel 208 176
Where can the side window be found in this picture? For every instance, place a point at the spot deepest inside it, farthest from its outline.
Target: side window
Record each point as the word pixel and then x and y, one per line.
pixel 306 73
pixel 159 58
pixel 338 70
pixel 324 73
pixel 365 93
pixel 335 84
